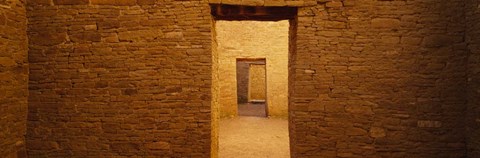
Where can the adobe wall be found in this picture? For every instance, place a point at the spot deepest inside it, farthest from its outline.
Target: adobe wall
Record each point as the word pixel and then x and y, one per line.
pixel 122 78
pixel 13 78
pixel 473 110
pixel 253 40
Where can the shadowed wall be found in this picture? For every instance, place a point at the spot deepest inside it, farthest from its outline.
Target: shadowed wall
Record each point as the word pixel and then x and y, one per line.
pixel 473 110
pixel 13 78
pixel 242 81
pixel 119 78
pixel 134 77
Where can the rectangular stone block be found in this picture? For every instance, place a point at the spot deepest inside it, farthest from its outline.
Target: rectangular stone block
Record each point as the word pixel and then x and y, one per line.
pixel 39 2
pixel 436 41
pixel 295 3
pixel 334 4
pixel 253 2
pixel 48 38
pixel 114 2
pixel 140 35
pixel 429 124
pixel 86 37
pixel 3 19
pixel 275 3
pixel 385 23
pixel 3 2
pixel 7 62
pixel 215 1
pixel 70 2
pixel 158 146
pixel 146 2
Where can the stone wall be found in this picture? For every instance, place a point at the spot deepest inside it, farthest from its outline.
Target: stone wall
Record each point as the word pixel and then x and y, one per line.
pixel 257 83
pixel 473 110
pixel 253 40
pixel 119 78
pixel 215 92
pixel 13 78
pixel 134 77
pixel 379 79
pixel 242 82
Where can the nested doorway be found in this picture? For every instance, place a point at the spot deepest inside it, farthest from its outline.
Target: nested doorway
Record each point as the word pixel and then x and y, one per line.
pixel 240 33
pixel 252 87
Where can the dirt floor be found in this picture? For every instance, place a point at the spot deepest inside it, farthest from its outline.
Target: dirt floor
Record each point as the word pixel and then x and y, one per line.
pixel 254 137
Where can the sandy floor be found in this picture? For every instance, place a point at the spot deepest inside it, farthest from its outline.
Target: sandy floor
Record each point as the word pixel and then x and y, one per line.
pixel 254 137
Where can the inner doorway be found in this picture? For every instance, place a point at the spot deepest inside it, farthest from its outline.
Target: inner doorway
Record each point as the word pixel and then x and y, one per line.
pixel 251 87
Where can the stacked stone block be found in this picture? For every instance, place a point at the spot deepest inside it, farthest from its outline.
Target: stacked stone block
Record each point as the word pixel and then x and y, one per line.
pixel 13 78
pixel 134 78
pixel 267 3
pixel 473 105
pixel 119 78
pixel 379 79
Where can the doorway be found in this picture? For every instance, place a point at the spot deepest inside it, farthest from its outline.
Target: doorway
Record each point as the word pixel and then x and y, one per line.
pixel 239 33
pixel 252 87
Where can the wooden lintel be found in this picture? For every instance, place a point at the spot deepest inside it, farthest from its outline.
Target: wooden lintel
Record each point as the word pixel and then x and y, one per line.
pixel 233 12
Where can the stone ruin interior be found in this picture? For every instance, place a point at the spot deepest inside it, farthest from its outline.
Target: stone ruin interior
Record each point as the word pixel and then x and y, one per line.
pixel 253 57
pixel 181 78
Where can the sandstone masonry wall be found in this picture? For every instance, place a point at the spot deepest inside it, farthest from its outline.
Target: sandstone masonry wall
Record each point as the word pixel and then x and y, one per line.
pixel 253 40
pixel 13 78
pixel 379 79
pixel 473 110
pixel 242 82
pixel 215 91
pixel 119 78
pixel 257 83
pixel 134 77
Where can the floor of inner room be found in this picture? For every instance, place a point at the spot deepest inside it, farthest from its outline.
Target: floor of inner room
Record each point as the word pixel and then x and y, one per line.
pixel 252 135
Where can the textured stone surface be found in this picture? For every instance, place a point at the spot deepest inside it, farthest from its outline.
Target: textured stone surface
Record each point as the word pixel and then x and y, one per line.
pixel 215 92
pixel 257 83
pixel 369 78
pixel 116 2
pixel 473 110
pixel 242 82
pixel 272 3
pixel 388 84
pixel 113 80
pixel 13 78
pixel 253 40
pixel 69 2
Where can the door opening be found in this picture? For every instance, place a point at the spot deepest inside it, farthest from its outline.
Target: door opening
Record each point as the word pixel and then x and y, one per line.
pixel 252 87
pixel 260 40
